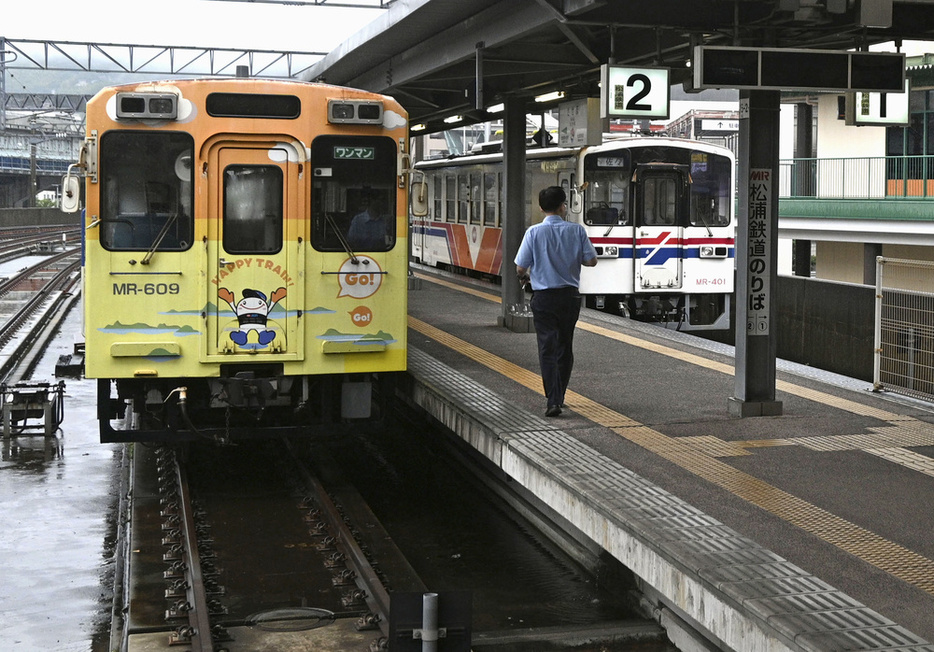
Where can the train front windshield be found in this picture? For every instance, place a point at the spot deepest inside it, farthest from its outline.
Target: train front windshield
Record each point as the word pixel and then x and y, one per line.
pixel 608 189
pixel 609 178
pixel 146 191
pixel 711 189
pixel 353 193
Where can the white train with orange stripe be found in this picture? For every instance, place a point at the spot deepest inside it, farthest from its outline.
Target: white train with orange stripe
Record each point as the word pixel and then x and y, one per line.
pixel 659 212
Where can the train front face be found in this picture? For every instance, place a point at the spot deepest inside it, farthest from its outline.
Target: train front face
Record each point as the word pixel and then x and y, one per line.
pixel 245 272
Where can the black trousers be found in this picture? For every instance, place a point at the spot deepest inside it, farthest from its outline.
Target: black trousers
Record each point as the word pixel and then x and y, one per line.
pixel 555 313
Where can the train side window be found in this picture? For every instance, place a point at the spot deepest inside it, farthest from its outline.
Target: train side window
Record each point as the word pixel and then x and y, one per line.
pixel 463 198
pixel 450 198
pixel 476 199
pixel 353 193
pixel 252 209
pixel 438 197
pixel 490 199
pixel 146 191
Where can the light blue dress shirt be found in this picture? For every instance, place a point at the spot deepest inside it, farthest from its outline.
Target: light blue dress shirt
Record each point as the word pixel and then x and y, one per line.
pixel 553 251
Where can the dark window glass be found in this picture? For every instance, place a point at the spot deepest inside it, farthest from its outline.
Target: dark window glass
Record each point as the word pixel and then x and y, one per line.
pixel 659 199
pixel 252 209
pixel 353 193
pixel 606 200
pixel 146 191
pixel 711 189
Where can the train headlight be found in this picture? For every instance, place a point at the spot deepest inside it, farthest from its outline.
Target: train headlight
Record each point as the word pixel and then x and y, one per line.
pixel 365 112
pixel 713 251
pixel 150 106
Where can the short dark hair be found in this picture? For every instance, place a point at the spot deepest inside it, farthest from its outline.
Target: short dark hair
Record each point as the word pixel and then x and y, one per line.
pixel 551 198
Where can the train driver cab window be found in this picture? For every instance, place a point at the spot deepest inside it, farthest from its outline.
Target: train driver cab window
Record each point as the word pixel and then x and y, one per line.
pixel 252 209
pixel 606 200
pixel 711 189
pixel 353 193
pixel 146 191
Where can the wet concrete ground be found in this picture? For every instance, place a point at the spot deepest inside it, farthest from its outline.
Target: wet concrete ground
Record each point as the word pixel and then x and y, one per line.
pixel 57 501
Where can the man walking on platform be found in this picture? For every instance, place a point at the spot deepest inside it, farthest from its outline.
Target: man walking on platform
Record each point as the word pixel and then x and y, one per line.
pixel 550 257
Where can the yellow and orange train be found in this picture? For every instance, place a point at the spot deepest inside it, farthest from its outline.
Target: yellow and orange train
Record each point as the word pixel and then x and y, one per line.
pixel 245 256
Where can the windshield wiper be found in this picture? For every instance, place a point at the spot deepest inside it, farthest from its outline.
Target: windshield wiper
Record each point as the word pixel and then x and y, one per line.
pixel 159 237
pixel 700 214
pixel 341 239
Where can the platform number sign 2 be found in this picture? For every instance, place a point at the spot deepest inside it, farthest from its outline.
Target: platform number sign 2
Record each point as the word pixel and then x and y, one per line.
pixel 642 93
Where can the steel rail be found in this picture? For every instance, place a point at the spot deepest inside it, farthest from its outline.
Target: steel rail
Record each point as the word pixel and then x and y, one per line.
pixel 199 621
pixel 13 359
pixel 377 597
pixel 14 322
pixel 20 246
pixel 8 284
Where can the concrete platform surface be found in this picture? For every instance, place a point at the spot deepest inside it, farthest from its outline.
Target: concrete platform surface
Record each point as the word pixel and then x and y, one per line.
pixel 809 530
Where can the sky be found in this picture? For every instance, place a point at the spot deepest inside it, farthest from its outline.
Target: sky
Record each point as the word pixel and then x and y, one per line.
pixel 197 23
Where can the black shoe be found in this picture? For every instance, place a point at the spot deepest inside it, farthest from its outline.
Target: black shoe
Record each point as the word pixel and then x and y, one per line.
pixel 552 411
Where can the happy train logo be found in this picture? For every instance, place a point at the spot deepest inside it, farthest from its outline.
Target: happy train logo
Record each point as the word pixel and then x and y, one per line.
pixel 252 314
pixel 357 279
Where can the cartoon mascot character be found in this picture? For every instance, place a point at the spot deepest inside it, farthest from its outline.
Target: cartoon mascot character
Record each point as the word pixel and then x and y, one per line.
pixel 252 314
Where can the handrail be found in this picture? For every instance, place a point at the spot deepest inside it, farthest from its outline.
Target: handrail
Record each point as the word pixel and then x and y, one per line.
pixel 869 177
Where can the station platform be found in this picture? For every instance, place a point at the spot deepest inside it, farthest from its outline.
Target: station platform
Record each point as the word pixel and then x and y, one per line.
pixel 806 531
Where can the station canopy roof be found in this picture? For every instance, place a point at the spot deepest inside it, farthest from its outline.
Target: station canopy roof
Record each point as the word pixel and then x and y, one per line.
pixel 435 56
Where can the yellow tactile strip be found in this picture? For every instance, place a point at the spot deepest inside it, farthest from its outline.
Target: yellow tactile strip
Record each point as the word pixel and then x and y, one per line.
pixel 698 455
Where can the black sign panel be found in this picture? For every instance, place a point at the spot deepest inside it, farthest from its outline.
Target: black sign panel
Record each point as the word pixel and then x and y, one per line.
pixel 791 69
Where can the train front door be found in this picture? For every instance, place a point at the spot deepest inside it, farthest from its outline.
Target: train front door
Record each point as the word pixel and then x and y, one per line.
pixel 254 250
pixel 658 243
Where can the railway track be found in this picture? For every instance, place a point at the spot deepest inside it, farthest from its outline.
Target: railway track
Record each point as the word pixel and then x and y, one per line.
pixel 28 321
pixel 53 286
pixel 199 491
pixel 307 545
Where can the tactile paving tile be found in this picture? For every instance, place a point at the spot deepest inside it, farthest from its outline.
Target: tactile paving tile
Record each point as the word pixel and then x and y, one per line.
pixel 906 458
pixel 774 587
pixel 708 445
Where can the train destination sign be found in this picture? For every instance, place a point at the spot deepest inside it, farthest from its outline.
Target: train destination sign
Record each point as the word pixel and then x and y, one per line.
pixel 634 92
pixel 794 69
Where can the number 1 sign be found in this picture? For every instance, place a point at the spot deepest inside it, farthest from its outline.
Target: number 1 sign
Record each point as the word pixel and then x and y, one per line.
pixel 634 92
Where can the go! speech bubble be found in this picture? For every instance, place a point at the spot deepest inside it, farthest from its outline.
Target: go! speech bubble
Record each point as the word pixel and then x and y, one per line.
pixel 361 280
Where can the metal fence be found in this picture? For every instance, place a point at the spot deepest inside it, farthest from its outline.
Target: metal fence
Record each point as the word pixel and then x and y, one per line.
pixel 857 178
pixel 904 328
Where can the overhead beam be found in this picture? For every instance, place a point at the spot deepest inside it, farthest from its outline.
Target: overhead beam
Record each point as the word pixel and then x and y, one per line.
pixel 357 4
pixel 84 56
pixel 495 26
pixel 569 33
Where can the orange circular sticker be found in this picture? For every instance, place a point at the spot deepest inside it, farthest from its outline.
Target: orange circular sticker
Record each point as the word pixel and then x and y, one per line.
pixel 361 316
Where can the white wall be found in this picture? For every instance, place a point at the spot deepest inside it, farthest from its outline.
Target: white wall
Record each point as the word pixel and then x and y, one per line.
pixel 836 140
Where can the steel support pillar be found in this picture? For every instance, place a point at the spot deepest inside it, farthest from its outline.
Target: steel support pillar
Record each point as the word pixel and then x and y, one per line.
pixel 516 316
pixel 756 255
